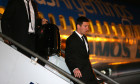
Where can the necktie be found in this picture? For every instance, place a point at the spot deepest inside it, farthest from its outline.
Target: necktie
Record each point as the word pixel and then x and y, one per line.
pixel 29 15
pixel 85 44
pixel 83 39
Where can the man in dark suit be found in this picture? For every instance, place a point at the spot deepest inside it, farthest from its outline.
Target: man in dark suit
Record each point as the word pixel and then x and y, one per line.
pixel 20 21
pixel 77 53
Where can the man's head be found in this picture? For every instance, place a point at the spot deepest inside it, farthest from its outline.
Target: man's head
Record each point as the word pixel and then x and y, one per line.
pixel 82 25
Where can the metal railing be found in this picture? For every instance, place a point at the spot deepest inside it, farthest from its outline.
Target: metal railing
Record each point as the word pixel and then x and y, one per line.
pixel 96 71
pixel 106 77
pixel 42 59
pixel 54 66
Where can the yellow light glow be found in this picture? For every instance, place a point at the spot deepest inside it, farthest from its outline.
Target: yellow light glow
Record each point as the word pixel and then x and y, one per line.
pixel 112 40
pixel 99 27
pixel 91 26
pixel 126 41
pixel 131 41
pixel 100 39
pixel 117 63
pixel 62 22
pixel 104 39
pixel 92 55
pixel 127 27
pixel 114 29
pixel 107 27
pixel 135 41
pixel 94 62
pixel 72 23
pixel 52 18
pixel 40 15
pixel 120 26
pixel 1 10
pixel 64 36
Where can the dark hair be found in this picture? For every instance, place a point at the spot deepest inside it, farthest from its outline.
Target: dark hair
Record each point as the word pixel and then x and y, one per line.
pixel 81 19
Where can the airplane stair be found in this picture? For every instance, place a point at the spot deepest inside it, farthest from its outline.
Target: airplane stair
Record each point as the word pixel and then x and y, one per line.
pixel 15 68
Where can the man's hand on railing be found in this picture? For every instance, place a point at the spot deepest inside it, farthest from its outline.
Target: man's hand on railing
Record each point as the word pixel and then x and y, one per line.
pixel 77 73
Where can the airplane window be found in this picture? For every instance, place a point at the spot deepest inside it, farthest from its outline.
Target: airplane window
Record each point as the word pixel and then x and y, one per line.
pixel 118 30
pixel 40 15
pixel 72 23
pixel 91 28
pixel 1 11
pixel 62 21
pixel 99 27
pixel 127 30
pixel 114 29
pixel 51 18
pixel 136 31
pixel 107 28
pixel 122 31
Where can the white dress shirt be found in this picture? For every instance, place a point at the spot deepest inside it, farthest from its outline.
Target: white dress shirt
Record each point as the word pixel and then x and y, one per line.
pixel 32 23
pixel 82 39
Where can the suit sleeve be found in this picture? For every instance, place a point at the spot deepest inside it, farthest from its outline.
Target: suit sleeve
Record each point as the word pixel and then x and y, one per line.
pixel 75 55
pixel 6 21
pixel 69 55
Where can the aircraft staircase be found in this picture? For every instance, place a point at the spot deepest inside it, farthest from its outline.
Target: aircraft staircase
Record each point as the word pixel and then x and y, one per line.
pixel 16 68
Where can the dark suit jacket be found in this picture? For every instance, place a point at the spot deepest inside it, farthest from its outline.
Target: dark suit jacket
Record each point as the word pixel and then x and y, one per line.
pixel 78 57
pixel 15 23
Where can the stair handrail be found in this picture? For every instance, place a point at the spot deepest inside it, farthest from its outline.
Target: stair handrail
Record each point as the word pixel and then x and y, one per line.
pixel 98 72
pixel 42 59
